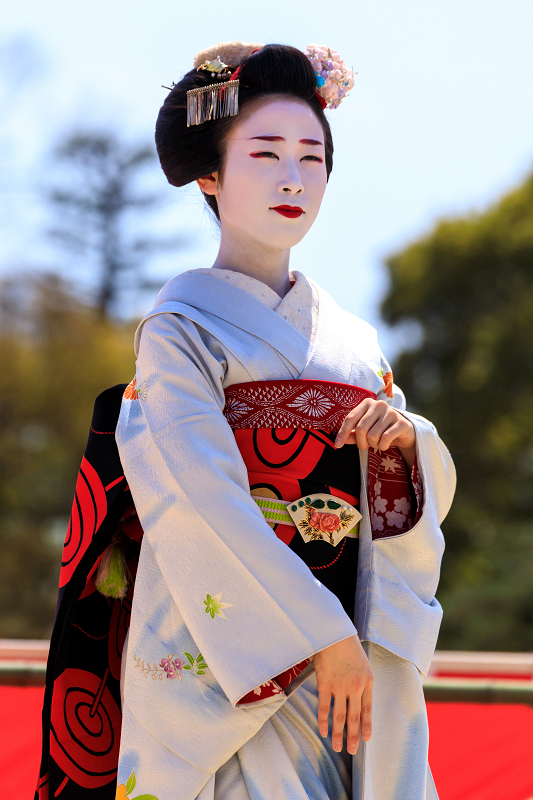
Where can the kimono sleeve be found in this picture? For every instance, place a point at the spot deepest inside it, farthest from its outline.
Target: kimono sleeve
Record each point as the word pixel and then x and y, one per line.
pixel 404 614
pixel 251 605
pixel 395 492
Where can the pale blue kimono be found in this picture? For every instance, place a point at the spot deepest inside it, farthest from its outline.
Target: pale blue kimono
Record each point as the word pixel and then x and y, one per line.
pixel 206 541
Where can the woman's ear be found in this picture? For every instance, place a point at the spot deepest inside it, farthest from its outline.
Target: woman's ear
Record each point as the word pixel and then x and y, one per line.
pixel 209 183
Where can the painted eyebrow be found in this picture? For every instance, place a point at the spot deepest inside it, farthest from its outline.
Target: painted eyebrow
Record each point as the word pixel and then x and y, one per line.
pixel 281 139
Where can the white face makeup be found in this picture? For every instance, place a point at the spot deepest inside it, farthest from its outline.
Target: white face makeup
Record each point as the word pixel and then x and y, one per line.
pixel 274 160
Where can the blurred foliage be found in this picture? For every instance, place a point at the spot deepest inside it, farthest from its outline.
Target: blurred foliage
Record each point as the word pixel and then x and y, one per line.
pixel 56 356
pixel 97 205
pixel 469 288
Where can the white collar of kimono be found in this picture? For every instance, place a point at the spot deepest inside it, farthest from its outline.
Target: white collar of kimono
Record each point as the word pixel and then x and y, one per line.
pixel 346 342
pixel 299 306
pixel 252 286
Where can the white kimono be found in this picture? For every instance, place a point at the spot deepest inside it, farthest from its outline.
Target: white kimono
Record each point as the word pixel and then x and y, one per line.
pixel 221 605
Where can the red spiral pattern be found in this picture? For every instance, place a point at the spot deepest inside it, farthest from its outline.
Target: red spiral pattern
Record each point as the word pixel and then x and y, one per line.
pixel 88 511
pixel 85 728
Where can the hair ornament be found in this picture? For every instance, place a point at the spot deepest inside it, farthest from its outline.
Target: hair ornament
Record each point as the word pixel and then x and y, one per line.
pixel 218 99
pixel 212 102
pixel 232 53
pixel 217 68
pixel 333 78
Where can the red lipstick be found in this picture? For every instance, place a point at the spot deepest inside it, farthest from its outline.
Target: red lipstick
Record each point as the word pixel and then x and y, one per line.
pixel 292 212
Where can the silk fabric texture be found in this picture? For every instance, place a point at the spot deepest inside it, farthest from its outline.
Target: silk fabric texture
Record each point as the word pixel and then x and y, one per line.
pixel 206 538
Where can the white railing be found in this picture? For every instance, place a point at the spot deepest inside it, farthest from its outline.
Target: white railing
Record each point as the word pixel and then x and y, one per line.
pixel 453 676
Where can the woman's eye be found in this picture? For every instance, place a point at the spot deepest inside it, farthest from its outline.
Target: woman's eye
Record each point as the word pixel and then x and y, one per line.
pixel 263 154
pixel 312 158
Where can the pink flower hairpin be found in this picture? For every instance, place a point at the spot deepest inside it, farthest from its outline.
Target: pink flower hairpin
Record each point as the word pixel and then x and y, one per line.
pixel 333 78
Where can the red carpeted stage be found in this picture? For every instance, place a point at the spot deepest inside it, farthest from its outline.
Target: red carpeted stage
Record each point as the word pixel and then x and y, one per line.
pixel 478 751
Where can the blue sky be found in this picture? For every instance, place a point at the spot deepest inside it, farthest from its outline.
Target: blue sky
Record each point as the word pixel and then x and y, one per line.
pixel 440 121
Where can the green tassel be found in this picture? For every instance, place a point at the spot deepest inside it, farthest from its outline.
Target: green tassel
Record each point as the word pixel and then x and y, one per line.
pixel 111 579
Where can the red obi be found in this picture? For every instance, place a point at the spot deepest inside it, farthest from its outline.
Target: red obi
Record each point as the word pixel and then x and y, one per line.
pixel 285 431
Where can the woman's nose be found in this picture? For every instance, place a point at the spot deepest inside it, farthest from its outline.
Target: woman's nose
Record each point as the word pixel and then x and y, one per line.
pixel 292 183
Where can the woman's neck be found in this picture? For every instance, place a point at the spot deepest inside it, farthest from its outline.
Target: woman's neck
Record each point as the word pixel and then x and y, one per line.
pixel 251 258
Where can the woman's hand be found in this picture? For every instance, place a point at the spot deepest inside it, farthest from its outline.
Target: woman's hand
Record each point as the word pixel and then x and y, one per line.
pixel 342 670
pixel 375 424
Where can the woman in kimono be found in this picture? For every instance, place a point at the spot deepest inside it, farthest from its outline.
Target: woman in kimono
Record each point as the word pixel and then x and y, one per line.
pixel 290 504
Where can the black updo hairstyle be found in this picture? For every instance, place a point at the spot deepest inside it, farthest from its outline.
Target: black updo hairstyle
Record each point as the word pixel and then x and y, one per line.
pixel 188 153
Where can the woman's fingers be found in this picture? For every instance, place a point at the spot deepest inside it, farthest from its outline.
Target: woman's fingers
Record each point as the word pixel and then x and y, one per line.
pixel 375 435
pixel 339 719
pixel 376 419
pixel 360 420
pixel 353 718
pixel 389 434
pixel 366 713
pixel 324 703
pixel 375 424
pixel 350 421
pixel 343 670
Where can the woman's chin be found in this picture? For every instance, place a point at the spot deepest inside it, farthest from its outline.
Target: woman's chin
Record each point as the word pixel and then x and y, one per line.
pixel 283 237
pixel 273 236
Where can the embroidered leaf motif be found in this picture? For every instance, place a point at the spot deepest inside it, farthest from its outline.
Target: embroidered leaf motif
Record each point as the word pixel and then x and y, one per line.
pixel 187 666
pixel 130 783
pixel 189 658
pixel 214 605
pixel 333 505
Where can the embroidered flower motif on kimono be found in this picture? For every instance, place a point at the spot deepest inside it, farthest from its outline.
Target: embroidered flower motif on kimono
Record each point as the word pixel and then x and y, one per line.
pixel 377 487
pixel 402 505
pixel 131 391
pixel 123 792
pixel 388 379
pixel 214 605
pixel 313 403
pixel 172 667
pixel 324 522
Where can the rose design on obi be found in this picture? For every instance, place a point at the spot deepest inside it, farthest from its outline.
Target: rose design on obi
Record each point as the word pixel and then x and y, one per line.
pixel 327 523
pixel 324 517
